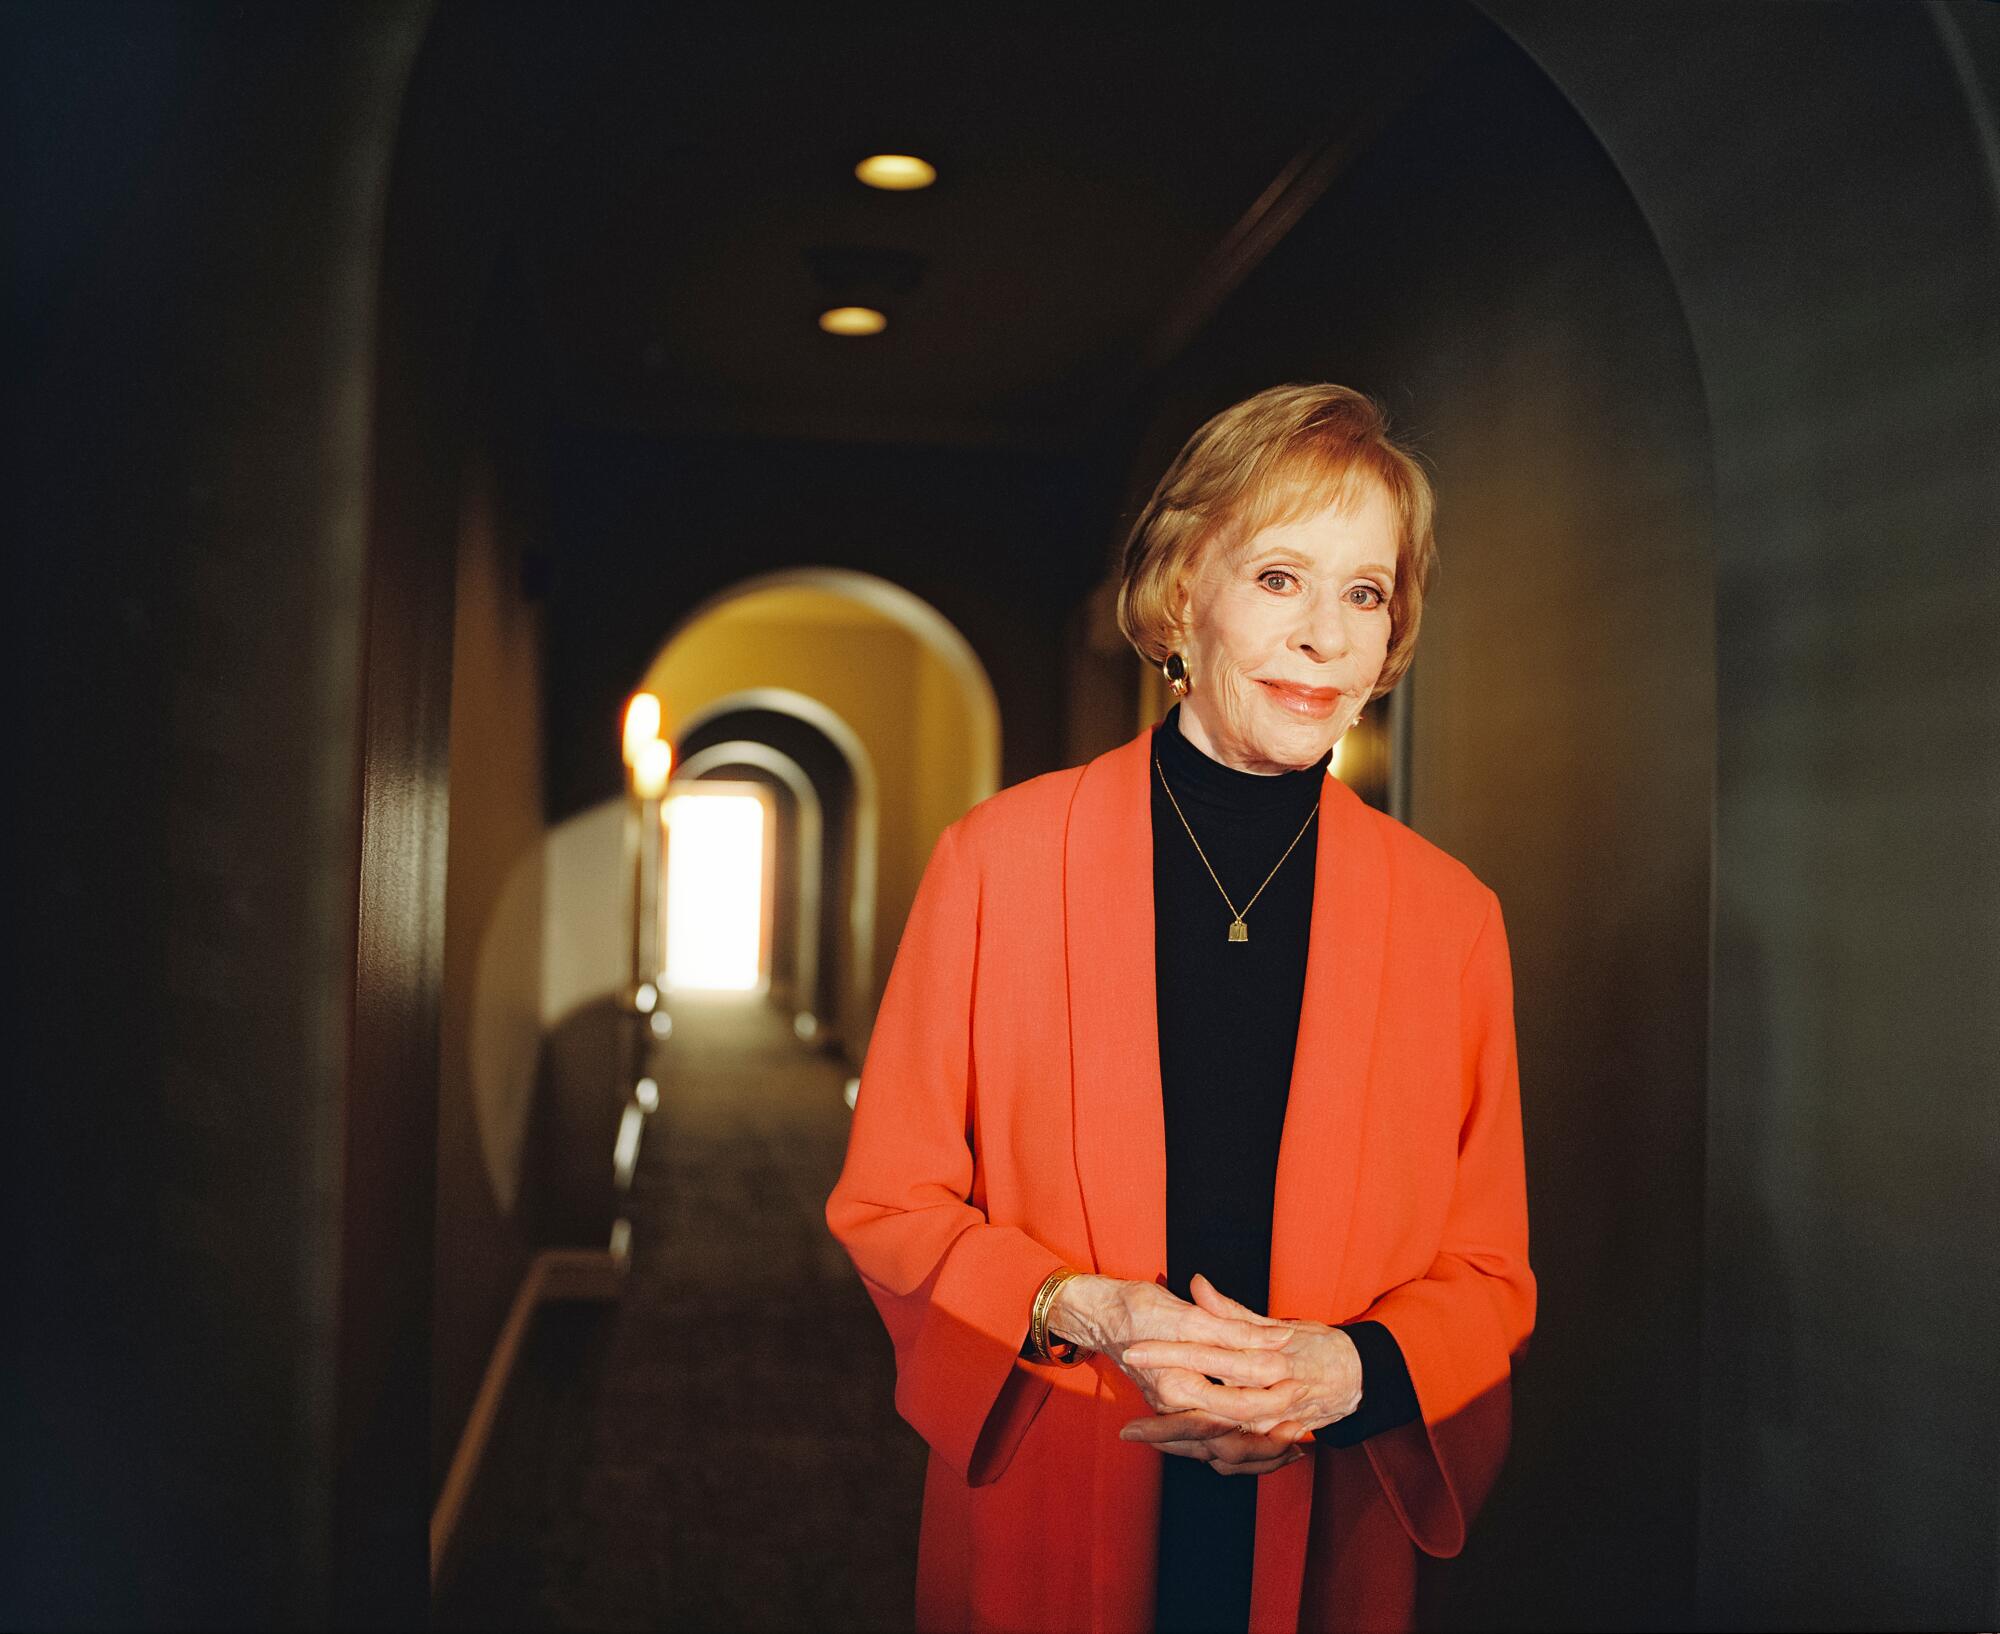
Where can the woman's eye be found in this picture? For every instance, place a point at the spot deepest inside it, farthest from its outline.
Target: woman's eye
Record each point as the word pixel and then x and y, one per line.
pixel 1374 590
pixel 1271 573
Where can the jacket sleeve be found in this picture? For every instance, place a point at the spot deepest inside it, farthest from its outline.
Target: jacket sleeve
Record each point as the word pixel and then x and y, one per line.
pixel 952 1288
pixel 1388 1399
pixel 1460 1324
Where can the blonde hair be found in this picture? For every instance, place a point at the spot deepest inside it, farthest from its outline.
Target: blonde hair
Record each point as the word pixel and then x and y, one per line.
pixel 1286 453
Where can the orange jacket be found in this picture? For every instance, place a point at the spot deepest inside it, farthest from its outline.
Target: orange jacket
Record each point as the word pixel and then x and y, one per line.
pixel 1009 1122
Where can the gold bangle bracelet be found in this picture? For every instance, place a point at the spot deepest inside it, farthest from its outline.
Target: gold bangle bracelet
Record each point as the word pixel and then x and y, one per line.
pixel 1040 1347
pixel 1038 1316
pixel 1036 1349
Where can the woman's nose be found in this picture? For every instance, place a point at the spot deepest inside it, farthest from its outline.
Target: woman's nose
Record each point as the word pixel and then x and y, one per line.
pixel 1322 631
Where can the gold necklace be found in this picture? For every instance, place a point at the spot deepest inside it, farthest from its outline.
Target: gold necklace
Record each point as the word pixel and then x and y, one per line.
pixel 1238 931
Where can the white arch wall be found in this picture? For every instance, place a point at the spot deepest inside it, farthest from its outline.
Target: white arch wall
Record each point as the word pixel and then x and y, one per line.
pixel 586 912
pixel 936 633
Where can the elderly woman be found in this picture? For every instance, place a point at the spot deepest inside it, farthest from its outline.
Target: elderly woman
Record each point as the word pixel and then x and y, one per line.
pixel 1186 1169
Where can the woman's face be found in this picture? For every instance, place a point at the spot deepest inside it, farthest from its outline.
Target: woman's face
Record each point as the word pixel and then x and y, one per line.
pixel 1285 635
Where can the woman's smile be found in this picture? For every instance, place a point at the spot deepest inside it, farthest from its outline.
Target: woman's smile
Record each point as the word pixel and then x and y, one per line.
pixel 1309 703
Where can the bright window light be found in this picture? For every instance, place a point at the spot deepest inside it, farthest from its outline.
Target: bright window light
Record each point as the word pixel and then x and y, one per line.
pixel 715 891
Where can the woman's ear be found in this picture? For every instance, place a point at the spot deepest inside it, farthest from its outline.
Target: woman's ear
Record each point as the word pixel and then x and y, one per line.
pixel 1179 607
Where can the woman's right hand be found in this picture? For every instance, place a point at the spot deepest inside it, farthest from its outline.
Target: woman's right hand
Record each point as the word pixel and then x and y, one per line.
pixel 1111 1315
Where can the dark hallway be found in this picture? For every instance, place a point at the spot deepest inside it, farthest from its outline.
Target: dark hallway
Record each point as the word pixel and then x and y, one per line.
pixel 542 539
pixel 731 1457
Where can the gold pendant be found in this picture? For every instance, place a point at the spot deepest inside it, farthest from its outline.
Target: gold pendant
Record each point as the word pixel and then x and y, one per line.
pixel 1238 931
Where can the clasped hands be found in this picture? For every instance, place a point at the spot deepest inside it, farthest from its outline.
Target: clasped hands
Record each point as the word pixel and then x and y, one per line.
pixel 1242 1391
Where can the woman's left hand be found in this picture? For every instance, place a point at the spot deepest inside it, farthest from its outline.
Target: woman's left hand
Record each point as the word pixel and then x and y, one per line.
pixel 1226 1446
pixel 1312 1381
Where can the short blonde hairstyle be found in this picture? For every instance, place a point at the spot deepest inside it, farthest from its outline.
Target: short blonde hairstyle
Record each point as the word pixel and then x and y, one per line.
pixel 1286 453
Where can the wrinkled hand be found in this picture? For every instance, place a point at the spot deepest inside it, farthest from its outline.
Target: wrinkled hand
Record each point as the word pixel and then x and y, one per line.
pixel 1308 1378
pixel 1224 1445
pixel 1118 1318
pixel 1111 1316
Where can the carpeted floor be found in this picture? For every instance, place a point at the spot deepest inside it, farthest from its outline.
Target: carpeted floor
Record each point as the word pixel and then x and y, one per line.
pixel 734 1460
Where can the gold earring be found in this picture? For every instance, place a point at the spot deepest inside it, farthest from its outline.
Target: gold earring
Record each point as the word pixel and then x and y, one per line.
pixel 1175 670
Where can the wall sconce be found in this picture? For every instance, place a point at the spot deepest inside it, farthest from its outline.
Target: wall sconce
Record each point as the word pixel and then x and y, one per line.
pixel 649 759
pixel 642 725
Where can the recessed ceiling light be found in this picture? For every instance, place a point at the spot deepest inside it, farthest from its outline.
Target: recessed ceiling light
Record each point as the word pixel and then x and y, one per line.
pixel 852 320
pixel 895 172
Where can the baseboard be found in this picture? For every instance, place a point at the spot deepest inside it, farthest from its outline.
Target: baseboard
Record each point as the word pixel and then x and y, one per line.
pixel 553 1275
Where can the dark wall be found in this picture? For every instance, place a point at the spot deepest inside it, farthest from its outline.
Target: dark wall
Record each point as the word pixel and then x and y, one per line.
pixel 457 378
pixel 196 210
pixel 1822 182
pixel 1482 270
pixel 491 982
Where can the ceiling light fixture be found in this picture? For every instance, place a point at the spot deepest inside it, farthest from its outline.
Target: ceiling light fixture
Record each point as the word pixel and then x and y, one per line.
pixel 895 172
pixel 852 320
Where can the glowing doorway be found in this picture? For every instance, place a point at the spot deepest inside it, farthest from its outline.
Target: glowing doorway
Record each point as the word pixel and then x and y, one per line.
pixel 718 908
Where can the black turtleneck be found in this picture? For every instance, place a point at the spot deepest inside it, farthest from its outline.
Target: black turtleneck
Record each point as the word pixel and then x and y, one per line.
pixel 1229 1024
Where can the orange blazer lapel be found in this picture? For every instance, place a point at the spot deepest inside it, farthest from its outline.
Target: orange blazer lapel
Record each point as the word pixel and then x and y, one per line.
pixel 1319 1156
pixel 1120 1129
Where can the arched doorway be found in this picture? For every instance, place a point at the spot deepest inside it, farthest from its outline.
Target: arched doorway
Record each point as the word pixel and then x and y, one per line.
pixel 856 803
pixel 894 686
pixel 807 860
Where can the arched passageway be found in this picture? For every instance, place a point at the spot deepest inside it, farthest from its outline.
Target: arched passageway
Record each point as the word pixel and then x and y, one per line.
pixel 848 911
pixel 803 867
pixel 828 773
pixel 893 687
